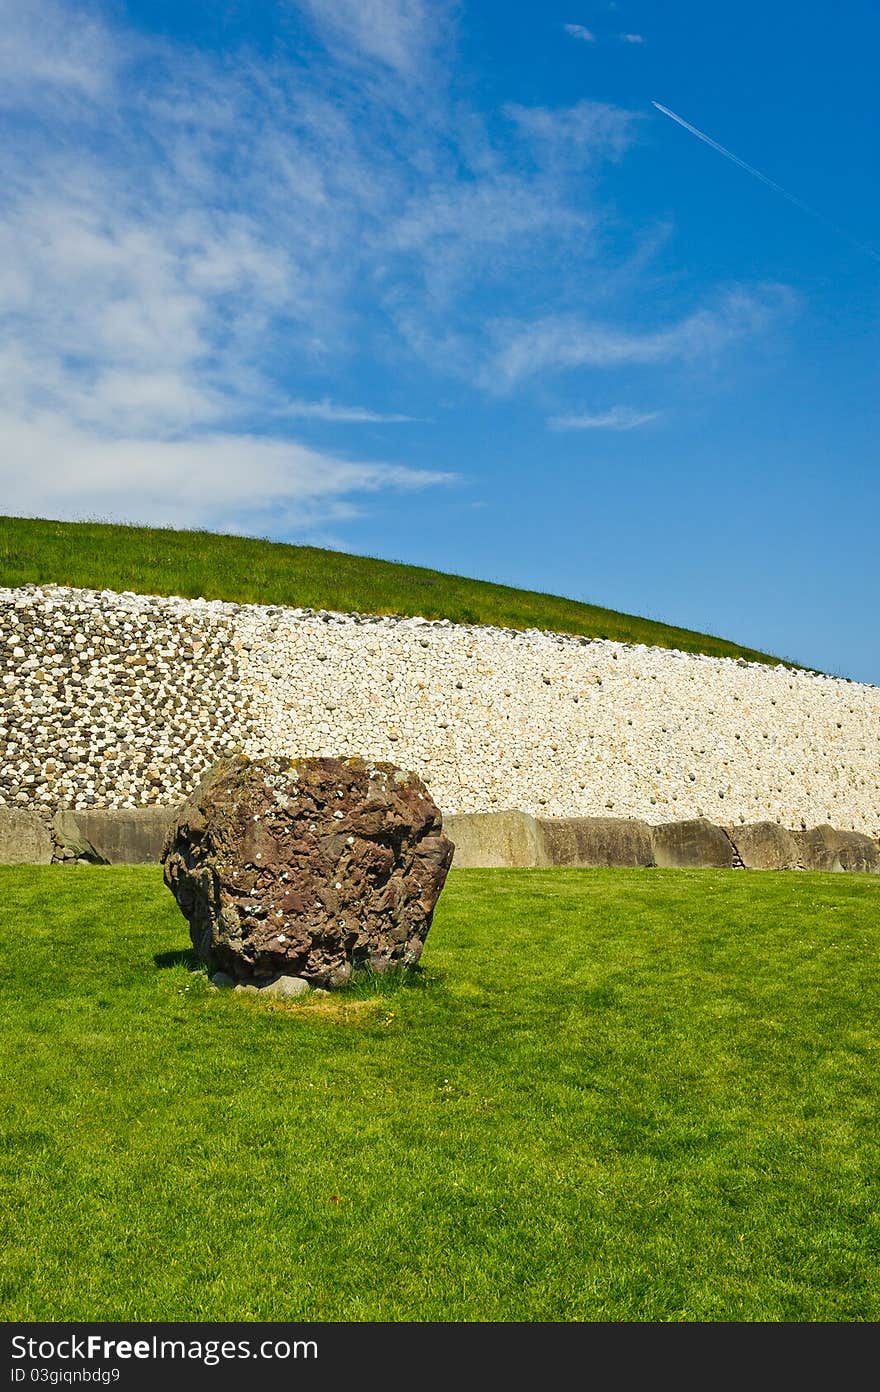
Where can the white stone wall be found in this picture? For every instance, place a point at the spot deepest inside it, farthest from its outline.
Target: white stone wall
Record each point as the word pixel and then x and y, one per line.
pixel 112 700
pixel 491 718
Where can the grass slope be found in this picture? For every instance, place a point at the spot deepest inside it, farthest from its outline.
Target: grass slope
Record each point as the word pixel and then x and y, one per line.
pixel 612 1095
pixel 94 555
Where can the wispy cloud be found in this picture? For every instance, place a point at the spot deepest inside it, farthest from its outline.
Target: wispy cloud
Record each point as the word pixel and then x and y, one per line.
pixel 197 250
pixel 46 61
pixel 586 131
pixel 617 418
pixel 578 31
pixel 327 410
pixel 399 34
pixel 151 279
pixel 559 342
pixel 450 236
pixel 228 482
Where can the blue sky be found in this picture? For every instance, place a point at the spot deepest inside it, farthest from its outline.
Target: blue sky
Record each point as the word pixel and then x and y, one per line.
pixel 435 282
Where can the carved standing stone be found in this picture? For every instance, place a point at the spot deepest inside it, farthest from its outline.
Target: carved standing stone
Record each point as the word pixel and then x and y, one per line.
pixel 307 867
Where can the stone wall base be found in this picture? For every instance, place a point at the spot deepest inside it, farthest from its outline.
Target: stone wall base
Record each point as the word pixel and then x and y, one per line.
pixel 486 839
pixel 483 840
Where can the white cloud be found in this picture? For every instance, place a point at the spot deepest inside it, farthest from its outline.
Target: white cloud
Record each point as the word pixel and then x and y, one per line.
pixel 45 58
pixel 193 245
pixel 577 31
pixel 558 342
pixel 222 481
pixel 327 410
pixel 485 212
pixel 586 131
pixel 617 418
pixel 456 234
pixel 236 215
pixel 130 302
pixel 149 279
pixel 397 33
pixel 632 38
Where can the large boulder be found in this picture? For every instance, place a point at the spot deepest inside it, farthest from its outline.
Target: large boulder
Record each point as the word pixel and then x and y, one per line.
pixel 69 842
pixel 765 846
pixel 825 848
pixel 691 844
pixel 126 835
pixel 24 838
pixel 307 867
pixel 495 839
pixel 596 841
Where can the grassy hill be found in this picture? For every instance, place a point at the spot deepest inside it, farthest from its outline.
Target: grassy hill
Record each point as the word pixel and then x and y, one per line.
pixel 94 555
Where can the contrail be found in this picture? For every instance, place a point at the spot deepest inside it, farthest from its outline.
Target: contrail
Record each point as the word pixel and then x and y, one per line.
pixel 798 202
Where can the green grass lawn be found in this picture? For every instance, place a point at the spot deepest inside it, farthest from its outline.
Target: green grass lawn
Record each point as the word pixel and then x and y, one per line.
pixel 93 555
pixel 610 1095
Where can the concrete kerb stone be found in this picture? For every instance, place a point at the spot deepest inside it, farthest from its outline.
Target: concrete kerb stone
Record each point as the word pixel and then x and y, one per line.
pixel 69 843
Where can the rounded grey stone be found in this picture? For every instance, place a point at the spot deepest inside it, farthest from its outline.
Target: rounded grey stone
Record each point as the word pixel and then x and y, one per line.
pixel 286 988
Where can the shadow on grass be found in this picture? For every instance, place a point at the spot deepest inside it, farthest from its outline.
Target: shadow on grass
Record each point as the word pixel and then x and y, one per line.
pixel 185 957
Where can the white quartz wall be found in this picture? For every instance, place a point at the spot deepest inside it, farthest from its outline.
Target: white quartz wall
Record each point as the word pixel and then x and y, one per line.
pixel 491 718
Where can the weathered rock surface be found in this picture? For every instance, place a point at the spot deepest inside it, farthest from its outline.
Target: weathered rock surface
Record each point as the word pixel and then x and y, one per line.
pixel 765 846
pixel 24 838
pixel 287 988
pixel 276 988
pixel 825 848
pixel 69 842
pixel 126 836
pixel 596 841
pixel 691 844
pixel 495 839
pixel 307 867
